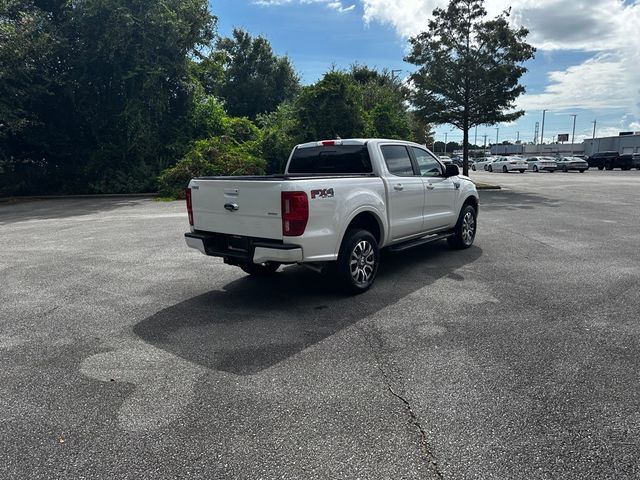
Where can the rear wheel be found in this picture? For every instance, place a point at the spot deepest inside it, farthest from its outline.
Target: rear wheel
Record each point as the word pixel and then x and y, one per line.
pixel 465 229
pixel 357 263
pixel 535 168
pixel 581 170
pixel 600 168
pixel 504 169
pixel 608 167
pixel 521 171
pixel 473 167
pixel 260 269
pixel 490 168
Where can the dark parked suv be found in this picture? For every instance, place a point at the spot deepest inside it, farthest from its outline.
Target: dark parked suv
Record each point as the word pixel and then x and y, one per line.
pixel 633 159
pixel 609 161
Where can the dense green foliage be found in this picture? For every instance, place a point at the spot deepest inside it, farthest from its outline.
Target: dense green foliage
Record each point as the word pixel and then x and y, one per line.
pixel 255 80
pixel 138 95
pixel 94 93
pixel 469 68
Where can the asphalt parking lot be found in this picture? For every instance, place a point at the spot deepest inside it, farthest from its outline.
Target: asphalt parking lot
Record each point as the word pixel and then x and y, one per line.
pixel 126 355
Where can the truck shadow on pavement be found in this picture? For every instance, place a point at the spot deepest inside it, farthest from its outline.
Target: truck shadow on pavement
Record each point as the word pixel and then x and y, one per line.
pixel 255 323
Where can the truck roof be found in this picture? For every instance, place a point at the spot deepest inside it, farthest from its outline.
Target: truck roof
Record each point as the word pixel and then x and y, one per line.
pixel 352 141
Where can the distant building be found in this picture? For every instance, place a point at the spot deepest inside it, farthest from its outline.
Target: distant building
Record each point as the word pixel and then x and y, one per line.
pixel 628 143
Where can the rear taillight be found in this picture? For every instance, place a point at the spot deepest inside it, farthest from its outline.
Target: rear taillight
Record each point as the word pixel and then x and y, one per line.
pixel 187 195
pixel 295 213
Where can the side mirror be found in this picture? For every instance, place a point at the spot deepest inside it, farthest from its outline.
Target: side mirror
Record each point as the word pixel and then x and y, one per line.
pixel 451 171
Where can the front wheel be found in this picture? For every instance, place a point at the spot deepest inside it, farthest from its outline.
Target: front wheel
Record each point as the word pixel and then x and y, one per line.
pixel 490 168
pixel 504 169
pixel 600 168
pixel 357 263
pixel 535 168
pixel 260 269
pixel 465 229
pixel 473 167
pixel 521 171
pixel 581 170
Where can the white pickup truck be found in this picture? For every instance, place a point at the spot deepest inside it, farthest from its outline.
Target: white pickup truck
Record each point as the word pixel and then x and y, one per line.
pixel 336 205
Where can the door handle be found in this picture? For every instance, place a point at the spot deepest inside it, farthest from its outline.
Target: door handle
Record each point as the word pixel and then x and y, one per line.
pixel 430 187
pixel 398 187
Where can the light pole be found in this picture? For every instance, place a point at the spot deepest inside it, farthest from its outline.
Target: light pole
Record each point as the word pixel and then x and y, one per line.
pixel 484 147
pixel 573 134
pixel 445 143
pixel 497 132
pixel 475 138
pixel 517 136
pixel 542 133
pixel 594 130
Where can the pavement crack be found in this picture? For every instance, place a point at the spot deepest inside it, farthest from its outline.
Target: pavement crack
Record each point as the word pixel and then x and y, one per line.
pixel 414 419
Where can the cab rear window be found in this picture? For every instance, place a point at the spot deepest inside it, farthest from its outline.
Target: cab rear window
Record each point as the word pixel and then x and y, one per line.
pixel 335 159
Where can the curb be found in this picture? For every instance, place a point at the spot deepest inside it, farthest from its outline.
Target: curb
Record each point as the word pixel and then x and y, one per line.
pixel 486 186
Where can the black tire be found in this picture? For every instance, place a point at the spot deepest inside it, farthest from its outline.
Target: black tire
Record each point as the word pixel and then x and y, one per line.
pixel 600 168
pixel 625 168
pixel 535 168
pixel 260 269
pixel 521 171
pixel 490 168
pixel 564 169
pixel 473 167
pixel 358 259
pixel 608 167
pixel 465 229
pixel 581 170
pixel 504 169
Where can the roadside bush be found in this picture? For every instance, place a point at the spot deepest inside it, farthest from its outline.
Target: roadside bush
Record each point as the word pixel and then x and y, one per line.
pixel 214 156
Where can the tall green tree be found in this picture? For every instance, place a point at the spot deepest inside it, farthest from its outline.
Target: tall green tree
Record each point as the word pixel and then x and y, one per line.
pixel 95 93
pixel 255 80
pixel 469 68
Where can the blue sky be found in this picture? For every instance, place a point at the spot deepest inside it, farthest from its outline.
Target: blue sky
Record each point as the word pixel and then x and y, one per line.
pixel 588 60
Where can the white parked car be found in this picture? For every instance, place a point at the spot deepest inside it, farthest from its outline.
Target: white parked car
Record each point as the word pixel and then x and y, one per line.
pixel 446 159
pixel 542 164
pixel 572 163
pixel 508 164
pixel 482 164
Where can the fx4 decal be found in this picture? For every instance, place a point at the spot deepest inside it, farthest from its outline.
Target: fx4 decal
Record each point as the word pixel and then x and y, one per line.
pixel 322 193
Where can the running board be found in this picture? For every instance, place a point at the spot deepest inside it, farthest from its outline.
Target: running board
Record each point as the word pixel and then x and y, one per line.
pixel 420 241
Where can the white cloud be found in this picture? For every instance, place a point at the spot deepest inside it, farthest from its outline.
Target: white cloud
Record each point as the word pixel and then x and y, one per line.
pixel 608 28
pixel 336 5
pixel 340 8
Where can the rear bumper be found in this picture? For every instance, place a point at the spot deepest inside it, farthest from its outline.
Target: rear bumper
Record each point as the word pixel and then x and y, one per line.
pixel 236 249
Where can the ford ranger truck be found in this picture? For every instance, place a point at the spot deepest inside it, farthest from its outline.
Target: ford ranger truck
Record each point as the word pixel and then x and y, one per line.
pixel 338 203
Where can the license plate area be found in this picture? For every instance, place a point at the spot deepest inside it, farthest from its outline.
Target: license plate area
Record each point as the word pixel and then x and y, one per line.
pixel 238 243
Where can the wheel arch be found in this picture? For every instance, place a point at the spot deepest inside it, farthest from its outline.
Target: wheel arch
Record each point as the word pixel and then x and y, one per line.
pixel 367 220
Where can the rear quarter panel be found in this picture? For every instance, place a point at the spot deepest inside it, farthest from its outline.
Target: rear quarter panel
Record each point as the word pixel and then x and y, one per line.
pixel 330 214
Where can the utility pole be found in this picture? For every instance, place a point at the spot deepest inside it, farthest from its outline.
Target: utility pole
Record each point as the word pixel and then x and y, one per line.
pixel 445 142
pixel 535 133
pixel 484 147
pixel 594 130
pixel 573 134
pixel 393 74
pixel 475 138
pixel 497 132
pixel 517 136
pixel 542 134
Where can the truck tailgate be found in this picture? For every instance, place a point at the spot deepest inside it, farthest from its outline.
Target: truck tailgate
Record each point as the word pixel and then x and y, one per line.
pixel 238 207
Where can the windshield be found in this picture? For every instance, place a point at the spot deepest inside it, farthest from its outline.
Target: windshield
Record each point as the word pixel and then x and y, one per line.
pixel 336 159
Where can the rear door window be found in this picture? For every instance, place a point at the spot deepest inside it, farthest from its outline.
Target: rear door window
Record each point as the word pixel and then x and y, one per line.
pixel 398 160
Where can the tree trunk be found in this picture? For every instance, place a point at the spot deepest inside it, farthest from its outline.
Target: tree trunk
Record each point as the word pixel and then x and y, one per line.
pixel 465 145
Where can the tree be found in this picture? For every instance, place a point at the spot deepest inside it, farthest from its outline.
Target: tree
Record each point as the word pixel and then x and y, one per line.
pixel 94 94
pixel 255 80
pixel 469 68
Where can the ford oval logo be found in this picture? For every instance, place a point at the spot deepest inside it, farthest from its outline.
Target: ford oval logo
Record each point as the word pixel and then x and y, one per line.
pixel 232 207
